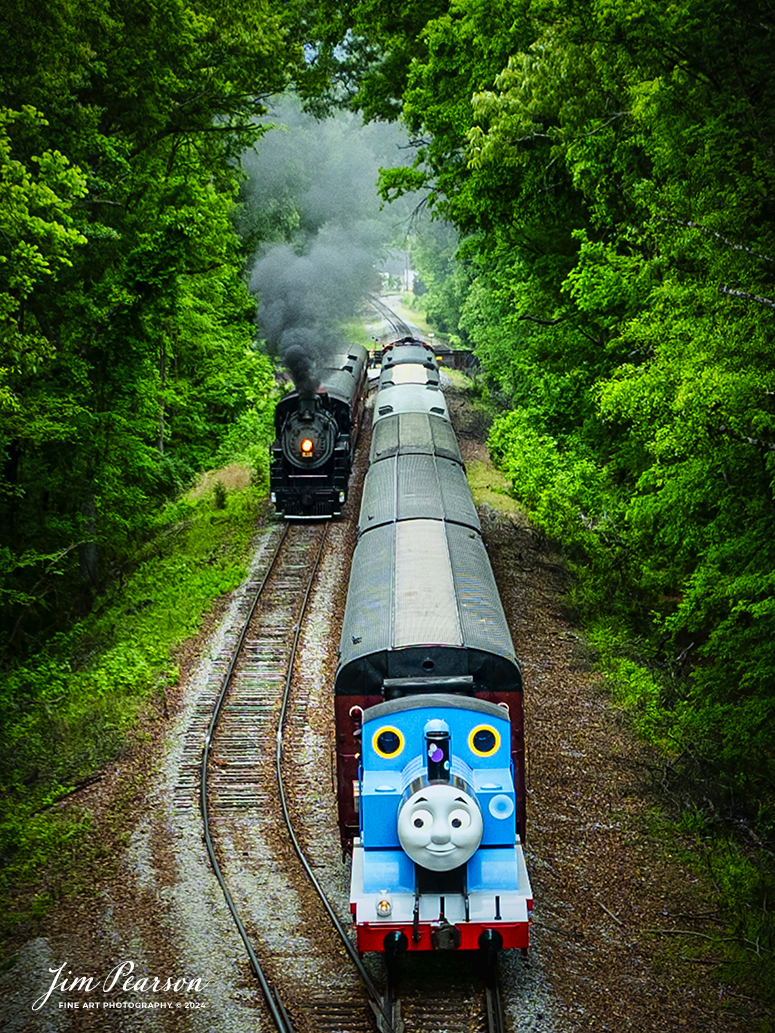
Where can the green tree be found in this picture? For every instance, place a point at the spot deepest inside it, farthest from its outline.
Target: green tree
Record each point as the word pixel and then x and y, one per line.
pixel 609 167
pixel 126 282
pixel 659 121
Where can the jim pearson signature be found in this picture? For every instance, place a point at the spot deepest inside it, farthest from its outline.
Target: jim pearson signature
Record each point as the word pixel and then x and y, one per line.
pixel 120 978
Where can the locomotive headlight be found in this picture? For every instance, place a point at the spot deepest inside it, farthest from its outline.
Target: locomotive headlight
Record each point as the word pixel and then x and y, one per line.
pixel 307 447
pixel 384 907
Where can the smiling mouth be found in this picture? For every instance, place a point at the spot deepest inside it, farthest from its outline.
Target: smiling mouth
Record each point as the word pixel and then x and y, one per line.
pixel 441 849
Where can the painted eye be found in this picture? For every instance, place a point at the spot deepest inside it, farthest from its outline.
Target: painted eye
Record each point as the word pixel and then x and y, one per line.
pixel 422 819
pixel 484 741
pixel 388 742
pixel 460 819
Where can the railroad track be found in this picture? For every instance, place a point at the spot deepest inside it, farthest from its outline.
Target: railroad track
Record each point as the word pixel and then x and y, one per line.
pixel 243 791
pixel 446 992
pixel 399 327
pixel 235 771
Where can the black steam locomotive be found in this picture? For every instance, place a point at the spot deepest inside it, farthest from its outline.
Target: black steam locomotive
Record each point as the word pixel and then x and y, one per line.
pixel 311 457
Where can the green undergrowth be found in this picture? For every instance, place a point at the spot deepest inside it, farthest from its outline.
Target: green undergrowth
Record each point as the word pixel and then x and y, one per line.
pixel 725 803
pixel 711 826
pixel 733 938
pixel 489 487
pixel 76 708
pixel 354 332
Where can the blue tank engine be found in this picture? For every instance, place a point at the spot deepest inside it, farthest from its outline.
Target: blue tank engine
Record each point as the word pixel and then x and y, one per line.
pixel 438 864
pixel 428 696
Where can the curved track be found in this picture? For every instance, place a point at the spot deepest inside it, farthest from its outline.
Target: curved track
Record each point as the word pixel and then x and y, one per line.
pixel 242 716
pixel 399 327
pixel 242 796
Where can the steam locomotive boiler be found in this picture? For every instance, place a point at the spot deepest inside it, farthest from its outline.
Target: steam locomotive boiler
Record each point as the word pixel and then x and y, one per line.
pixel 311 457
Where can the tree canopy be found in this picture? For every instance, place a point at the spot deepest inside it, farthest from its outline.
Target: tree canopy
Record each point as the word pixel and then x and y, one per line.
pixel 602 172
pixel 607 169
pixel 125 324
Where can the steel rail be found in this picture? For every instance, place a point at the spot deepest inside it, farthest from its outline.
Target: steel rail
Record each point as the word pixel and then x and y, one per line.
pixel 383 1008
pixel 279 1015
pixel 383 1013
pixel 495 1019
pixel 391 317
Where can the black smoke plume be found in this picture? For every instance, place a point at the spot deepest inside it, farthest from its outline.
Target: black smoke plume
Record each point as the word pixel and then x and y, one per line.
pixel 326 173
pixel 303 299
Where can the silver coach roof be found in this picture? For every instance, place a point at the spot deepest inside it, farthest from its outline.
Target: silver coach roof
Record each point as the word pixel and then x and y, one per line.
pixel 413 433
pixel 408 373
pixel 403 487
pixel 415 352
pixel 404 398
pixel 422 592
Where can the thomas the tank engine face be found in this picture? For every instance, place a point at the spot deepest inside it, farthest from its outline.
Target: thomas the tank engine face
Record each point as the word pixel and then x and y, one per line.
pixel 440 827
pixel 309 438
pixel 435 752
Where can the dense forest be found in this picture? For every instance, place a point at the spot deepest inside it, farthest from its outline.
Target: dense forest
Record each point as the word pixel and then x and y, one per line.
pixel 602 174
pixel 125 324
pixel 127 364
pixel 156 181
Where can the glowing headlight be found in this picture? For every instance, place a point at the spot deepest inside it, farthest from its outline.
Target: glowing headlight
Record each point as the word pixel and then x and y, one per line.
pixel 306 447
pixel 384 907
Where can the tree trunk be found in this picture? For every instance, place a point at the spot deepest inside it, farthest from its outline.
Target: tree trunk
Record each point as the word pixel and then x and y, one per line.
pixel 88 555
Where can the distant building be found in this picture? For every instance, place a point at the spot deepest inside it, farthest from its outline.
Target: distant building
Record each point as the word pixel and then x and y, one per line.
pixel 396 271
